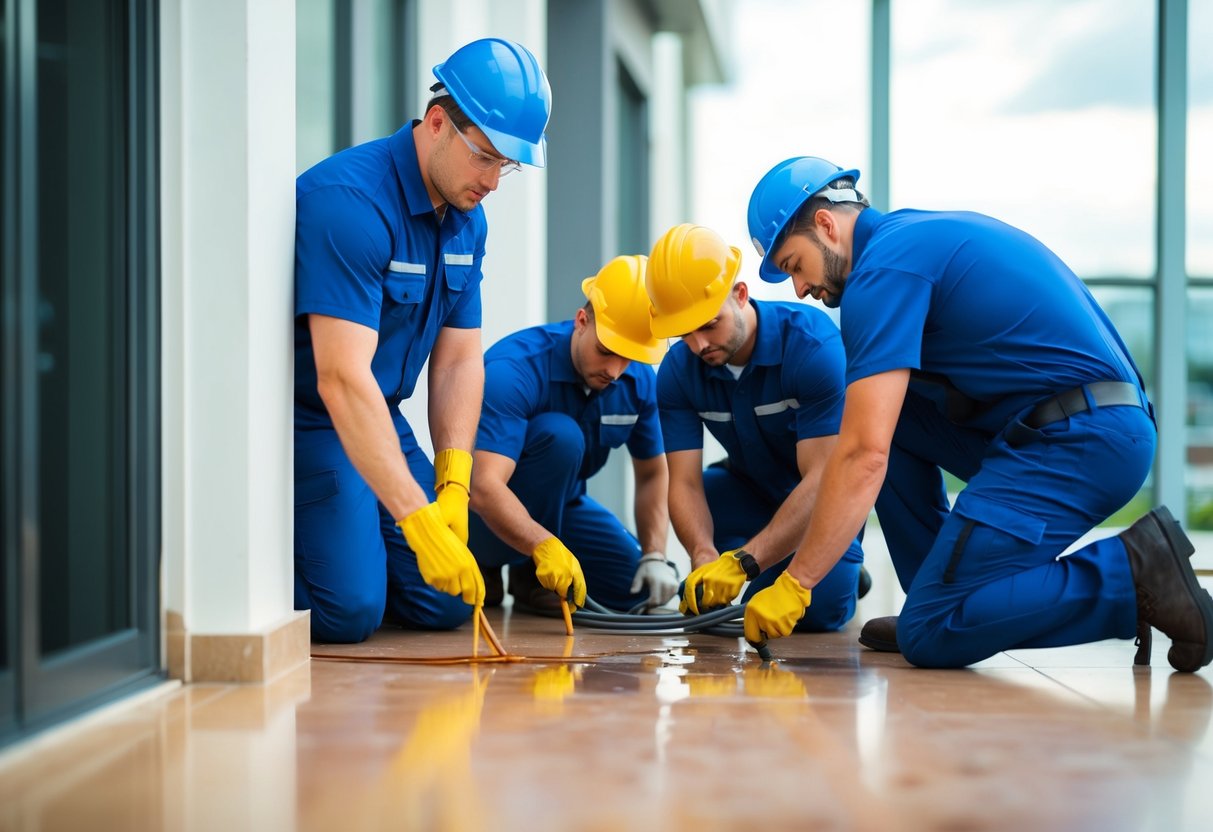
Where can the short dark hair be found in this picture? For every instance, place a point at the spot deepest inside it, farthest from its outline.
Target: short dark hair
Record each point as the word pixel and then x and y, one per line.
pixel 444 100
pixel 802 223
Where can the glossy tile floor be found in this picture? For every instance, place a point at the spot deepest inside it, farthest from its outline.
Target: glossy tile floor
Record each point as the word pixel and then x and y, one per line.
pixel 644 733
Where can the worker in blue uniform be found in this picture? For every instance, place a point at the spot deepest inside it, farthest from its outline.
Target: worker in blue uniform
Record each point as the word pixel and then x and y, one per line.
pixel 389 241
pixel 972 348
pixel 765 379
pixel 558 399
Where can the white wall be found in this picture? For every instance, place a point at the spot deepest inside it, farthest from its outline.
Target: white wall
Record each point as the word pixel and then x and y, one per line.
pixel 515 267
pixel 227 212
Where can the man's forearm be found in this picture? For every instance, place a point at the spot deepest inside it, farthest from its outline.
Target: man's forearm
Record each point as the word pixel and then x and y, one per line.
pixel 454 407
pixel 779 537
pixel 360 416
pixel 652 517
pixel 507 517
pixel 693 524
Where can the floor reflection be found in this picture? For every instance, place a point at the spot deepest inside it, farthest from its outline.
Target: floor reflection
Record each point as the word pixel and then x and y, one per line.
pixel 642 732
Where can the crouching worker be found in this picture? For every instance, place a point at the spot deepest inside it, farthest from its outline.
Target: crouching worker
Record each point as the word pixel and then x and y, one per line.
pixel 766 380
pixel 389 241
pixel 558 399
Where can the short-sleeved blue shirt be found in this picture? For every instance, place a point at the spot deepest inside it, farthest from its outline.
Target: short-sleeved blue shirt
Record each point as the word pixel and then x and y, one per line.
pixel 791 389
pixel 977 301
pixel 531 372
pixel 369 249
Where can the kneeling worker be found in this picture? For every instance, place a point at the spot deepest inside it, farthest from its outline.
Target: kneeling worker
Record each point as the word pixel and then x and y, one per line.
pixel 557 399
pixel 766 379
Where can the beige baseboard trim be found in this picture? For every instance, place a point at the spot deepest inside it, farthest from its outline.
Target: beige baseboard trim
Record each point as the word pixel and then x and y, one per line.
pixel 237 657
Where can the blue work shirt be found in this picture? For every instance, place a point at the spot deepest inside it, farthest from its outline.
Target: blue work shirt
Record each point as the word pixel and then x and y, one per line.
pixel 369 248
pixel 791 389
pixel 531 372
pixel 969 298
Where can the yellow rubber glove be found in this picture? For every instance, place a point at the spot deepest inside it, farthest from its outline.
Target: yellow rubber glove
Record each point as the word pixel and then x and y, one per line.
pixel 773 612
pixel 557 569
pixel 452 482
pixel 444 560
pixel 721 580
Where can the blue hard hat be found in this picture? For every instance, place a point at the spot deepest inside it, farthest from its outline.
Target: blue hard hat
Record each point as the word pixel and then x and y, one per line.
pixel 779 195
pixel 500 86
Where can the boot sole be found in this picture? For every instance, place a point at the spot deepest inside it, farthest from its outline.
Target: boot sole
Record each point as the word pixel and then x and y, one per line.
pixel 1181 550
pixel 879 645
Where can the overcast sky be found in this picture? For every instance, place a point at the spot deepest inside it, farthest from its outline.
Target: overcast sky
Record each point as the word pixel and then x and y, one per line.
pixel 1037 112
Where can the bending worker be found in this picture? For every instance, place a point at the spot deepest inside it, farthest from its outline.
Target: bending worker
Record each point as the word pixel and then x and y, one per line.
pixel 765 379
pixel 972 348
pixel 389 241
pixel 558 399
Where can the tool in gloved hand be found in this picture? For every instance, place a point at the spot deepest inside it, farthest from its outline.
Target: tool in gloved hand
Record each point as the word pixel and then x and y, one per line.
pixel 719 582
pixel 774 611
pixel 452 484
pixel 557 569
pixel 659 575
pixel 443 559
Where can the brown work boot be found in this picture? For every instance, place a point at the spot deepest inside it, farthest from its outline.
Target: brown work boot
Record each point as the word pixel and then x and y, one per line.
pixel 1168 595
pixel 529 594
pixel 880 634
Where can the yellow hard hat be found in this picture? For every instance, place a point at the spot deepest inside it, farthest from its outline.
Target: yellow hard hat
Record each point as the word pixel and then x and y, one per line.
pixel 690 274
pixel 621 309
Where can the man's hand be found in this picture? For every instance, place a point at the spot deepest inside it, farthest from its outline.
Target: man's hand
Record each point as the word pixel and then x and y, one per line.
pixel 452 483
pixel 773 612
pixel 444 560
pixel 721 581
pixel 557 569
pixel 659 575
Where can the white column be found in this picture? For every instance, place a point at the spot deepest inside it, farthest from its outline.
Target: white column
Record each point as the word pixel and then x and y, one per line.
pixel 514 291
pixel 228 134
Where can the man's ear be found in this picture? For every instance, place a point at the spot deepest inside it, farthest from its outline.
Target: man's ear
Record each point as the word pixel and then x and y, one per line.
pixel 827 224
pixel 435 118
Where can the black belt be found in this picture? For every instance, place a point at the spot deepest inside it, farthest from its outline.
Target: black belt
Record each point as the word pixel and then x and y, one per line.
pixel 1064 405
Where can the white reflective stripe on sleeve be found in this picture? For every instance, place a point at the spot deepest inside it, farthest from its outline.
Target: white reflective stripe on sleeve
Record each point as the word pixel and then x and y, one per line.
pixel 619 418
pixel 406 268
pixel 457 259
pixel 775 407
pixel 715 416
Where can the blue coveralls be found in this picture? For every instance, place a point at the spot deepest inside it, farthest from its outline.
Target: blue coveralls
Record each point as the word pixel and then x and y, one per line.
pixel 791 389
pixel 538 413
pixel 991 323
pixel 369 249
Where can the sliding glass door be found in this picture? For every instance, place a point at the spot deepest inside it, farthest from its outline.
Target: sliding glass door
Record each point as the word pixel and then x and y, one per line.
pixel 80 491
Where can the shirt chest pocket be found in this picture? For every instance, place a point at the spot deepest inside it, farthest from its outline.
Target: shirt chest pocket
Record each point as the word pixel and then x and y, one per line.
pixel 403 287
pixel 458 269
pixel 777 417
pixel 615 428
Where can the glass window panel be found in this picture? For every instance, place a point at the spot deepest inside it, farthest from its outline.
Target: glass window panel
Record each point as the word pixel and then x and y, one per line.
pixel 1200 139
pixel 82 354
pixel 315 104
pixel 6 380
pixel 1038 113
pixel 1199 469
pixel 773 109
pixel 376 79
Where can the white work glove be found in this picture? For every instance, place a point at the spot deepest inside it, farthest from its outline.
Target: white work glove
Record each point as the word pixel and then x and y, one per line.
pixel 659 575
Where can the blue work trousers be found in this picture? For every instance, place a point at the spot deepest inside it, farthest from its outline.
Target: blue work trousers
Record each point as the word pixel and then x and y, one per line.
pixel 546 482
pixel 986 576
pixel 351 560
pixel 739 512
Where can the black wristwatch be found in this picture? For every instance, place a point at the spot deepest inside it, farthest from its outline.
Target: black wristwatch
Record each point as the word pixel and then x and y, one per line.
pixel 748 564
